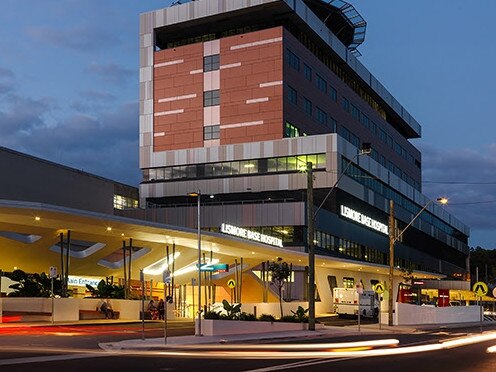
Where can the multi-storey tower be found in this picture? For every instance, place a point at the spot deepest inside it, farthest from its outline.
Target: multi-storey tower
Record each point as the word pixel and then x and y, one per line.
pixel 237 96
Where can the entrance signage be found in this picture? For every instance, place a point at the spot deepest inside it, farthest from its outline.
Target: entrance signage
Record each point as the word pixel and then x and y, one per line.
pixel 480 289
pixel 250 235
pixel 379 288
pixel 81 281
pixel 363 219
pixel 231 283
pixel 223 268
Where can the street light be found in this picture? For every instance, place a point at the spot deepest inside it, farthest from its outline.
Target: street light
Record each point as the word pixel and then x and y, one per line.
pixel 392 240
pixel 311 215
pixel 198 196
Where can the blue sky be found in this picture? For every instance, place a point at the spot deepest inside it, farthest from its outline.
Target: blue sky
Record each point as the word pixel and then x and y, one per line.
pixel 69 88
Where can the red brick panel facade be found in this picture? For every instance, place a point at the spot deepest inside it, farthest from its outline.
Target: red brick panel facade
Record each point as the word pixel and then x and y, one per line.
pixel 251 87
pixel 178 98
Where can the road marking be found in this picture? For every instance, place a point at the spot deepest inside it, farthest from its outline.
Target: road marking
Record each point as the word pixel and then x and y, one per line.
pixel 306 363
pixel 51 358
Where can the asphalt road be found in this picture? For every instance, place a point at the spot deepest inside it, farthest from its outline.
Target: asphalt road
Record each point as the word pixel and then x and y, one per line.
pixel 75 349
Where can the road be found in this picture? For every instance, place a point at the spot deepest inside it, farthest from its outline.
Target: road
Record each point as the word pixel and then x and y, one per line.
pixel 75 349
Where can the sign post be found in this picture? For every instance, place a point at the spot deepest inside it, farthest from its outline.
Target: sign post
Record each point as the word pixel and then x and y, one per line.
pixel 359 289
pixel 167 279
pixel 53 275
pixel 480 289
pixel 379 289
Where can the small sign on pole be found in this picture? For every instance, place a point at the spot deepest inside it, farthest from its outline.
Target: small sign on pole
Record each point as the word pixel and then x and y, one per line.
pixel 231 283
pixel 52 272
pixel 166 276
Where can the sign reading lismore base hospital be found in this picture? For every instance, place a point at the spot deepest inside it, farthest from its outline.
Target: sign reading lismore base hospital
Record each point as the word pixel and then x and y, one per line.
pixel 250 235
pixel 363 219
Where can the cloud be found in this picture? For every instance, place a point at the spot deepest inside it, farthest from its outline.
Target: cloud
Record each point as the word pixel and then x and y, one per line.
pixel 93 101
pixel 80 38
pixel 6 81
pixel 104 143
pixel 468 178
pixel 111 73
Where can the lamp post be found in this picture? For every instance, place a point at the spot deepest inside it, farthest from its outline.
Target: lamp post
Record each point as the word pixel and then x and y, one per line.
pixel 311 215
pixel 197 194
pixel 393 238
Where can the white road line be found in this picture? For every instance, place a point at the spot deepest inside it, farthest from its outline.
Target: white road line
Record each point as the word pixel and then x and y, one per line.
pixel 51 358
pixel 306 363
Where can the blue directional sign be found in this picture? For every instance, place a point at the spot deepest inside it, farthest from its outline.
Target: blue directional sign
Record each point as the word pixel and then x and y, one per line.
pixel 214 267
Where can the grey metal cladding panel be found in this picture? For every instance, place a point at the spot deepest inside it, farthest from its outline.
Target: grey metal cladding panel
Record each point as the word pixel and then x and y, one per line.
pixel 361 70
pixel 146 22
pixel 202 8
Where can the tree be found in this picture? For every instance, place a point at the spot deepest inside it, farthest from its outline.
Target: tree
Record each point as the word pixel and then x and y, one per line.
pixel 482 258
pixel 280 272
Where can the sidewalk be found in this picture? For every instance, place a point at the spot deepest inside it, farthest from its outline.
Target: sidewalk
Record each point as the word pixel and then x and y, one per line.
pixel 178 341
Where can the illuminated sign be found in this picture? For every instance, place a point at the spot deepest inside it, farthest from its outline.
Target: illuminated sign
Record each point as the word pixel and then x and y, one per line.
pixel 82 281
pixel 250 235
pixel 363 219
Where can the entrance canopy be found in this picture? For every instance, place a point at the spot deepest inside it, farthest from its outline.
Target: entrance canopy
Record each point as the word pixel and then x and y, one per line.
pixel 30 235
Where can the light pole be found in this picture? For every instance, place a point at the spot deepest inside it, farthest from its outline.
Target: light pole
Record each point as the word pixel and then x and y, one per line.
pixel 311 215
pixel 198 331
pixel 393 238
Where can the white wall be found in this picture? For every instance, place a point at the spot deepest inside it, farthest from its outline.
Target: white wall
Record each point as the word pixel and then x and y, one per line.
pixel 407 314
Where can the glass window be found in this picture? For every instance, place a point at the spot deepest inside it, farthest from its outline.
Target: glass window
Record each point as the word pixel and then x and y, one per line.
pixel 234 167
pixel 272 165
pixel 291 163
pixel 209 170
pixel 355 112
pixel 282 164
pixel 211 132
pixel 191 171
pixel 333 124
pixel 292 95
pixel 308 72
pixel 291 131
pixel 211 63
pixel 348 282
pixel 211 98
pixel 333 93
pixel 248 166
pixel 321 116
pixel 373 127
pixel 307 105
pixel 321 160
pixel 160 173
pixel 345 133
pixel 346 104
pixel 355 140
pixel 153 174
pixel 321 84
pixel 365 121
pixel 293 60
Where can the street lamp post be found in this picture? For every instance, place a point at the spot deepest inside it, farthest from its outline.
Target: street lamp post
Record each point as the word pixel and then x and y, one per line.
pixel 311 216
pixel 393 238
pixel 198 331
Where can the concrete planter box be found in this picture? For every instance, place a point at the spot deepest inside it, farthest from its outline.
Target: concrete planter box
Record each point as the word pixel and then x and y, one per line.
pixel 215 327
pixel 64 309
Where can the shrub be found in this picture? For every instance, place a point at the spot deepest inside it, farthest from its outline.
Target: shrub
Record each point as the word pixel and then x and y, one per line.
pixel 232 311
pixel 266 318
pixel 289 319
pixel 247 317
pixel 106 290
pixel 300 315
pixel 212 315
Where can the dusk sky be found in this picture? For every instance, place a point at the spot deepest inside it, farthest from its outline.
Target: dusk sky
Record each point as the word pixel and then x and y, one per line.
pixel 69 88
